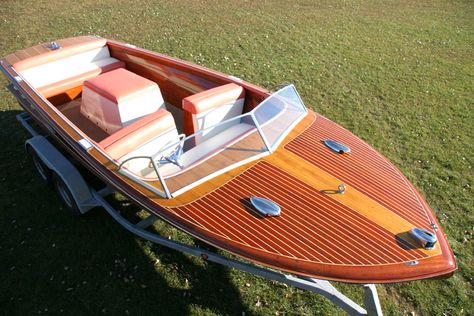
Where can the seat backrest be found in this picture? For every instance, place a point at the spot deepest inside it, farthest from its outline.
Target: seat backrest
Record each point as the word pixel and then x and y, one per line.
pixel 210 107
pixel 143 137
pixel 65 68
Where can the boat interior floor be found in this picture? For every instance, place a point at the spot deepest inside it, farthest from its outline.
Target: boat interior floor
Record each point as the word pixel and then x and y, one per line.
pixel 72 111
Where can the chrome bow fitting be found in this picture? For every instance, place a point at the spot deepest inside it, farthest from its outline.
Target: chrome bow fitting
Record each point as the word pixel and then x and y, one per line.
pixel 426 238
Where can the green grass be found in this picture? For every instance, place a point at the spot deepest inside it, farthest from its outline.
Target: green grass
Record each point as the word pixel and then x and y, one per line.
pixel 398 74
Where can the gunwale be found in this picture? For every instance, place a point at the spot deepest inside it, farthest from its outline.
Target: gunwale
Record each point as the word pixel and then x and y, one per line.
pixel 441 263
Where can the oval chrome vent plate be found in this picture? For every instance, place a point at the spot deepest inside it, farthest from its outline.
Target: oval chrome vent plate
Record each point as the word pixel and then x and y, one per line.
pixel 337 147
pixel 265 206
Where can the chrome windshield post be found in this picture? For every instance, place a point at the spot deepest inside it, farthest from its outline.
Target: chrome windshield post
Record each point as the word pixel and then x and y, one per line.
pixel 299 97
pixel 155 167
pixel 259 128
pixel 160 177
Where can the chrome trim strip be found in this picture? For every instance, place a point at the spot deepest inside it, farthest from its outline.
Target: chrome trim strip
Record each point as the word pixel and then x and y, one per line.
pixel 262 135
pixel 86 144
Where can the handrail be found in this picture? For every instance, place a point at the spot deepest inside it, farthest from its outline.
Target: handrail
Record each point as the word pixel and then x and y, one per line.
pixel 155 168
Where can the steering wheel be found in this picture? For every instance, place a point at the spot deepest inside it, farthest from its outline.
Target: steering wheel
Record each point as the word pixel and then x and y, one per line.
pixel 175 155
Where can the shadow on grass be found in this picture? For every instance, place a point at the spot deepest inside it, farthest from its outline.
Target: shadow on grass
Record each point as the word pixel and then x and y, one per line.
pixel 59 263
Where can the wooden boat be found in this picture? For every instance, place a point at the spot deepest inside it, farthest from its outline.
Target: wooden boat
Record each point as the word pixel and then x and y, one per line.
pixel 251 172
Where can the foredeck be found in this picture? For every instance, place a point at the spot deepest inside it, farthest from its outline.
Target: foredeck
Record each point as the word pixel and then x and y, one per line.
pixel 350 236
pixel 314 227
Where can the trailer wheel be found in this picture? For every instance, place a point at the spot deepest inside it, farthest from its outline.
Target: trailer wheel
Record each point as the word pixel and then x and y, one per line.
pixel 65 194
pixel 42 170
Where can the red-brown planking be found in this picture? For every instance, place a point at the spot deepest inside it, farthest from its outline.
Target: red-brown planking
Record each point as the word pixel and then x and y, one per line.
pixel 364 169
pixel 315 236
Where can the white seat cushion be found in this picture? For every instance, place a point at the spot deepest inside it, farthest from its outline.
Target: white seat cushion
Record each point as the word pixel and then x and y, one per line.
pixel 58 70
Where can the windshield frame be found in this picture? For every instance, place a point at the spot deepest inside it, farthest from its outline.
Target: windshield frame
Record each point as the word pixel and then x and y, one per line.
pixel 270 147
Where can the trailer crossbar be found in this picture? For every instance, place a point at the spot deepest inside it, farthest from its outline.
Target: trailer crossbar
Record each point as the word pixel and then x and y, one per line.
pixel 322 287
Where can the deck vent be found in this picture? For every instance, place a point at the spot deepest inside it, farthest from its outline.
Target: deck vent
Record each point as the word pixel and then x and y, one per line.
pixel 337 147
pixel 265 206
pixel 426 238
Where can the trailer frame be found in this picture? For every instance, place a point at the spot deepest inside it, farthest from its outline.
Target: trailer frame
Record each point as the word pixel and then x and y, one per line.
pixel 87 198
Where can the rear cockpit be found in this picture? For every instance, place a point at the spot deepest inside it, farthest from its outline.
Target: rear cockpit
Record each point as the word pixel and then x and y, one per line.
pixel 155 118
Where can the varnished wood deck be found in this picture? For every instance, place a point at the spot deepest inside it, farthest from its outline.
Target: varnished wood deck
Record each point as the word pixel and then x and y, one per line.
pixel 42 48
pixel 313 227
pixel 363 169
pixel 360 236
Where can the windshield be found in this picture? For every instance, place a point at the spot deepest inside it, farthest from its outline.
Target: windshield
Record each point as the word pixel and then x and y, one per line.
pixel 197 158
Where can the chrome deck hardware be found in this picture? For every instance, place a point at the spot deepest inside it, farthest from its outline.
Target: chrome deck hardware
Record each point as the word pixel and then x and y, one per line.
pixel 412 263
pixel 341 188
pixel 426 238
pixel 265 206
pixel 54 46
pixel 337 147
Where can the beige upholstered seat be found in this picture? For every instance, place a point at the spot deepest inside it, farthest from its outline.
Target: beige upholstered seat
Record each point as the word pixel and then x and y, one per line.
pixel 139 133
pixel 59 70
pixel 117 98
pixel 211 107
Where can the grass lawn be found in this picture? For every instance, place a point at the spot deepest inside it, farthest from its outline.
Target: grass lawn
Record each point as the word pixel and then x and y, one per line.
pixel 399 74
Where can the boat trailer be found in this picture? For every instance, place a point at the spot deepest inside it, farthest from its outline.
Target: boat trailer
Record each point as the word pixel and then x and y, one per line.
pixel 75 191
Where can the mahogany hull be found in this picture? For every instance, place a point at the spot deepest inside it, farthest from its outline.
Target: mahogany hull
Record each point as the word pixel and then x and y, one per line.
pixel 359 236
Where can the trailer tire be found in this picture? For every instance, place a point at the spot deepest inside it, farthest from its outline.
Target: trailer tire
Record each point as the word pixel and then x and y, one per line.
pixel 65 194
pixel 44 173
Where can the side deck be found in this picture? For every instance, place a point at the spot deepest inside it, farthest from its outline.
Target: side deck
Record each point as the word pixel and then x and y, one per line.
pixel 43 48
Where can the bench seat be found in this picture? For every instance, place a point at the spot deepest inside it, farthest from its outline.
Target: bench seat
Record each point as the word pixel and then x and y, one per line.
pixel 59 70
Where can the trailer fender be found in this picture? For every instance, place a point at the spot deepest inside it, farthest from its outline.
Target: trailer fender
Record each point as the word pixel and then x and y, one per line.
pixel 61 166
